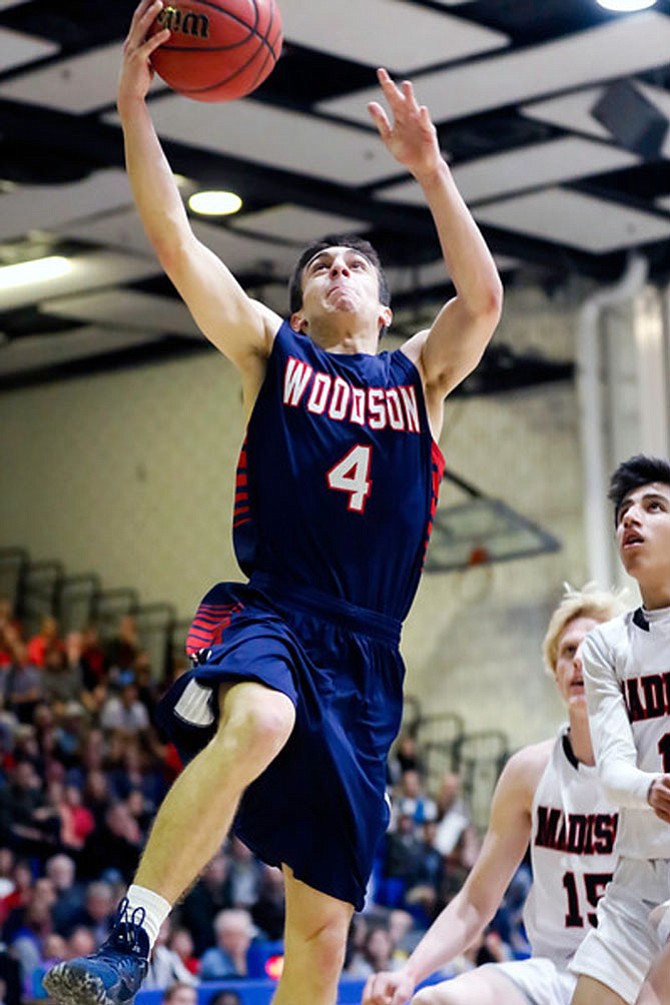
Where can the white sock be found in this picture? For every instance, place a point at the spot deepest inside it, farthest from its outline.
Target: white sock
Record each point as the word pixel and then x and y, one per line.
pixel 156 909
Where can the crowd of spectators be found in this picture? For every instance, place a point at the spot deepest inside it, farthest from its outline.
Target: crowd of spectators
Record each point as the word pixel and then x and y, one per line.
pixel 82 770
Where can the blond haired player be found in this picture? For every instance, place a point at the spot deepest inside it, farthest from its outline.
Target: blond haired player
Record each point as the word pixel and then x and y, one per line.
pixel 548 795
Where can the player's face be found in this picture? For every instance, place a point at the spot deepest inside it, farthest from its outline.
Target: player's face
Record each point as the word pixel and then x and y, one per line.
pixel 643 537
pixel 569 677
pixel 341 281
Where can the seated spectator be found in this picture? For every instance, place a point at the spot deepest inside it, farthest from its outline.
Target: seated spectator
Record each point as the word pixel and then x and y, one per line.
pixel 8 623
pixel 269 911
pixel 97 795
pixel 166 968
pixel 70 733
pixel 405 756
pixel 70 894
pixel 245 873
pixel 47 639
pixel 411 793
pixel 97 915
pixel 88 668
pixel 453 815
pixel 60 678
pixel 123 647
pixel 180 993
pixel 28 823
pixel 123 712
pixel 77 821
pixel 225 998
pixel 135 770
pixel 93 660
pixel 401 863
pixel 376 954
pixel 181 943
pixel 234 932
pixel 147 691
pixel 425 897
pixel 18 893
pixel 117 843
pixel 54 949
pixel 20 681
pixel 27 928
pixel 81 942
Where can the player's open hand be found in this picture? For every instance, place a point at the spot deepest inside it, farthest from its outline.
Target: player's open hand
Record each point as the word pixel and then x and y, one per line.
pixel 136 71
pixel 388 988
pixel 411 135
pixel 659 797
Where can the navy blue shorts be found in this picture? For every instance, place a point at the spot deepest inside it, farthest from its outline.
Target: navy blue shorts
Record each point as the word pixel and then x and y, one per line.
pixel 320 806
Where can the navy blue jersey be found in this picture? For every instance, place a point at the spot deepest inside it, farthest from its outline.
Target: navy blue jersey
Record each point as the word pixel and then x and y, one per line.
pixel 338 477
pixel 336 491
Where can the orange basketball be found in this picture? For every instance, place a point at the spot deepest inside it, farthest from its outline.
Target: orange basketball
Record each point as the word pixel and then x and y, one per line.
pixel 218 49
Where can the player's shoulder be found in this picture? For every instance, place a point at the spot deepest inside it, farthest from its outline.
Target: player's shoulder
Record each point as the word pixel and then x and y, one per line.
pixel 609 634
pixel 526 766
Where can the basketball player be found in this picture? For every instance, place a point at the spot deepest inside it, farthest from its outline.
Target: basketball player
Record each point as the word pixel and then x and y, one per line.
pixel 288 716
pixel 628 692
pixel 548 795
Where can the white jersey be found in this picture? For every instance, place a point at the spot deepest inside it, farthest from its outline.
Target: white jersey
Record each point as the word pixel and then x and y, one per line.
pixel 572 849
pixel 627 681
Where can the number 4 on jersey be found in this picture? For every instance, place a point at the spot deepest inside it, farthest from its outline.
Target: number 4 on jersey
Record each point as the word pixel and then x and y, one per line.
pixel 351 475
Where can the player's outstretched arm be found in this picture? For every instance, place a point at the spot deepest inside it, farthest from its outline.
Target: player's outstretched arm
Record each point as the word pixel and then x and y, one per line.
pixel 614 746
pixel 475 904
pixel 239 326
pixel 455 343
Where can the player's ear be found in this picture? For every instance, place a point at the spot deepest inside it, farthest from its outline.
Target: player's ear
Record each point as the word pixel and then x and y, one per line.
pixel 298 322
pixel 385 317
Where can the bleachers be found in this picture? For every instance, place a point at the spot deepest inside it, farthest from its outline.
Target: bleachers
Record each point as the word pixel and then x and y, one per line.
pixel 41 587
pixel 446 747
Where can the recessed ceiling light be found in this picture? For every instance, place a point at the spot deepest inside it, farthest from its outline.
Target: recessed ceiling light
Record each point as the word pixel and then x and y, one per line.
pixel 215 203
pixel 626 5
pixel 34 271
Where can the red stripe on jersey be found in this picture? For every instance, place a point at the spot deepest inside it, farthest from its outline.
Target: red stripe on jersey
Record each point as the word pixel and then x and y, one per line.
pixel 437 474
pixel 207 632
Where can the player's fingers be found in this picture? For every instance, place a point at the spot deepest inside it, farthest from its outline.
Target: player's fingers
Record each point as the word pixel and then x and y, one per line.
pixel 392 92
pixel 143 18
pixel 140 13
pixel 380 119
pixel 375 991
pixel 367 991
pixel 155 41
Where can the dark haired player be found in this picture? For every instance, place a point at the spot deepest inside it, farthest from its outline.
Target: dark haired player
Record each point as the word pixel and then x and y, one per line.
pixel 288 715
pixel 627 680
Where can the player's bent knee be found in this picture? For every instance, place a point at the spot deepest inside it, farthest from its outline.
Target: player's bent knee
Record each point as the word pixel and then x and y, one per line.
pixel 260 718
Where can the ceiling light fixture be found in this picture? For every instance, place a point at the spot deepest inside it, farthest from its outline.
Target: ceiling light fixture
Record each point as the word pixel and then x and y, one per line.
pixel 35 271
pixel 215 203
pixel 626 6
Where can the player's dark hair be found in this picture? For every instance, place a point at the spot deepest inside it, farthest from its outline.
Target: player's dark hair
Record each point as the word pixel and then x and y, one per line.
pixel 336 241
pixel 632 474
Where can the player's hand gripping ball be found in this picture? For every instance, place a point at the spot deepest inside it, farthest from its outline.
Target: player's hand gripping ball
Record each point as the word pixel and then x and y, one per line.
pixel 218 50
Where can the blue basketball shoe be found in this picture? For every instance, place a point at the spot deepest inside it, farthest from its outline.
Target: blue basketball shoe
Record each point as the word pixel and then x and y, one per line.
pixel 113 975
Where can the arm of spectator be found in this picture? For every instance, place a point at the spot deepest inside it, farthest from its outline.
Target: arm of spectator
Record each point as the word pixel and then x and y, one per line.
pixel 467 915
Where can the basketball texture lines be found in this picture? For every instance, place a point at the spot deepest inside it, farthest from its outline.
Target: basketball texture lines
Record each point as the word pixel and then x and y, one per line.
pixel 218 50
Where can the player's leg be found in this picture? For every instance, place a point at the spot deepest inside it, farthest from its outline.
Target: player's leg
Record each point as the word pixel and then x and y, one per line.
pixel 483 986
pixel 656 988
pixel 592 992
pixel 255 724
pixel 315 940
pixel 190 826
